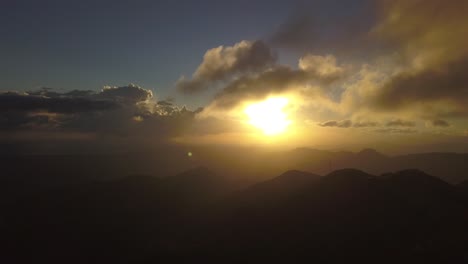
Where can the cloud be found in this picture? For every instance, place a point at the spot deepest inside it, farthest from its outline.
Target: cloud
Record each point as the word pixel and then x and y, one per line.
pixel 447 83
pixel 307 29
pixel 131 92
pixel 400 123
pixel 120 111
pixel 334 123
pixel 431 36
pixel 362 124
pixel 396 131
pixel 423 75
pixel 324 67
pixel 429 32
pixel 248 71
pixel 298 32
pixel 45 99
pixel 438 123
pixel 348 124
pixel 222 63
pixel 59 103
pixel 314 71
pixel 276 80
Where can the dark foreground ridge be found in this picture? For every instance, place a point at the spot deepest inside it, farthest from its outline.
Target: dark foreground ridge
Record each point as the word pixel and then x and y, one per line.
pixel 347 215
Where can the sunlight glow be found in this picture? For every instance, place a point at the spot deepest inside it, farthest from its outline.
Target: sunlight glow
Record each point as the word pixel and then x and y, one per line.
pixel 268 115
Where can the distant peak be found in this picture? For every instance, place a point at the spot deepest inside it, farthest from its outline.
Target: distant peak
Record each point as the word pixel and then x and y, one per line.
pixel 369 151
pixel 412 174
pixel 416 179
pixel 293 172
pixel 197 172
pixel 297 174
pixel 463 184
pixel 350 173
pixel 139 178
pixel 199 169
pixel 196 179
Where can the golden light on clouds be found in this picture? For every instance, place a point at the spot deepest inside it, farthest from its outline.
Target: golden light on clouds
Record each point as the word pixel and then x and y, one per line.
pixel 268 115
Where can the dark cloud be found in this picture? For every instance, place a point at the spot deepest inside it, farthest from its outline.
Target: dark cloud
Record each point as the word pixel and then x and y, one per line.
pixel 80 93
pixel 396 130
pixel 222 63
pixel 297 33
pixel 312 70
pixel 122 111
pixel 400 123
pixel 334 123
pixel 448 82
pixel 431 36
pixel 307 29
pixel 439 123
pixel 348 123
pixel 131 92
pixel 44 91
pixel 11 120
pixel 365 124
pixel 12 101
pixel 423 26
pixel 167 108
pixel 272 81
pixel 45 99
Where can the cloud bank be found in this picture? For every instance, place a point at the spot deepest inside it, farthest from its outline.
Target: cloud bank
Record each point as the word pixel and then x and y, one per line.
pixel 120 111
pixel 222 63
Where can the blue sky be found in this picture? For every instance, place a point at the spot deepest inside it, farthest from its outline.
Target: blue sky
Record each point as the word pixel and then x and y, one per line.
pixel 82 45
pixel 88 44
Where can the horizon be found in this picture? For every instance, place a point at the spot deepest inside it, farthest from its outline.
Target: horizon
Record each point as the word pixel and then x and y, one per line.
pixel 186 149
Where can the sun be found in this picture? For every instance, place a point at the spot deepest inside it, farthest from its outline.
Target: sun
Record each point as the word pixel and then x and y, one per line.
pixel 268 115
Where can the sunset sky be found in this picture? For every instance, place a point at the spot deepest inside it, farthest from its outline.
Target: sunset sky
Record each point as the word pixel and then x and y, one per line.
pixel 339 75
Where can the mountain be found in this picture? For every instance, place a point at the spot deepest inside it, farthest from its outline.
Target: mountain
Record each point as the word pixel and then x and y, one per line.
pixel 289 181
pixel 197 181
pixel 351 215
pixel 243 165
pixel 450 167
pixel 463 185
pixel 345 215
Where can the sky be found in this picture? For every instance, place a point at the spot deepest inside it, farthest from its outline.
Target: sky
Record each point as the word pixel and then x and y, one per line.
pixel 86 45
pixel 131 74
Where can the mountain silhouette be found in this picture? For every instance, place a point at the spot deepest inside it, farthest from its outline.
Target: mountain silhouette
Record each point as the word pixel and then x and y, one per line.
pixel 349 214
pixel 447 166
pixel 289 181
pixel 370 155
pixel 245 166
pixel 346 215
pixel 463 185
pixel 200 180
pixel 348 175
